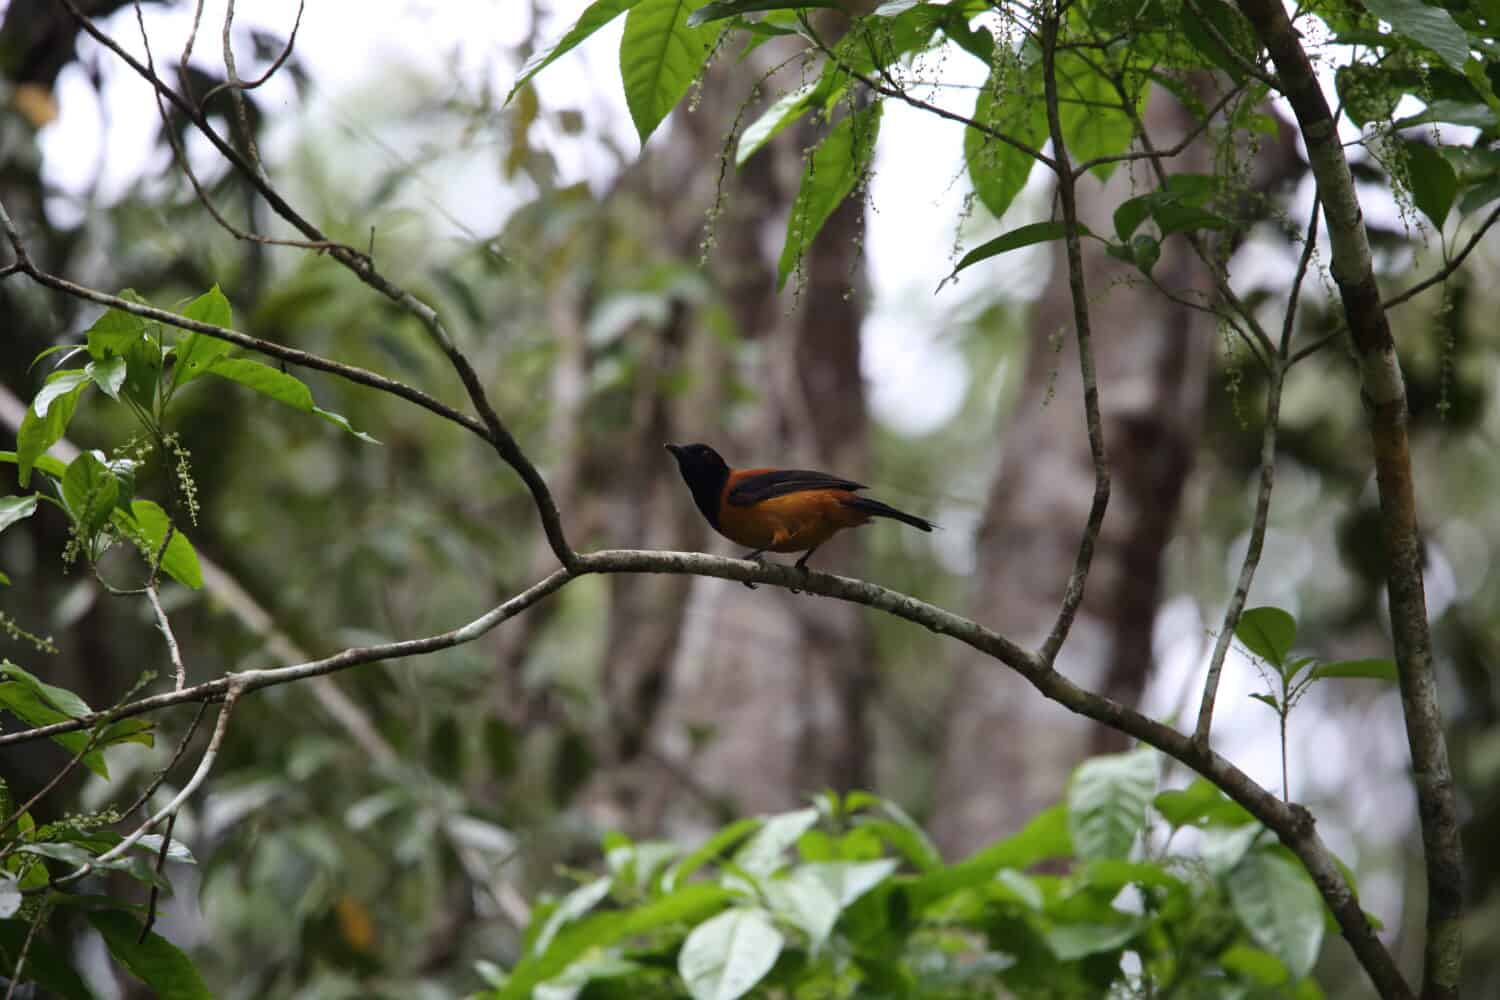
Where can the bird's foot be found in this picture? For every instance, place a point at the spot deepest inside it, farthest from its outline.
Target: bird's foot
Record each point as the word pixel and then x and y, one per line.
pixel 757 556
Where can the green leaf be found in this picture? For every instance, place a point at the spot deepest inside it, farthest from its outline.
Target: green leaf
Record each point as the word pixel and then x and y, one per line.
pixel 594 17
pixel 1268 633
pixel 904 834
pixel 725 957
pixel 1200 803
pixel 712 848
pixel 1227 25
pixel 1107 800
pixel 53 467
pixel 13 509
pixel 1025 236
pixel 660 57
pixel 803 901
pixel 199 351
pixel 1045 837
pixel 1268 700
pixel 1012 107
pixel 25 703
pixel 1094 122
pixel 1433 181
pixel 600 930
pixel 1379 669
pixel 155 961
pixel 113 333
pixel 764 853
pixel 1430 26
pixel 62 699
pixel 41 429
pixel 1280 908
pixel 1070 942
pixel 108 375
pixel 147 525
pixel 1469 113
pixel 1260 967
pixel 778 116
pixel 574 906
pixel 90 491
pixel 278 385
pixel 734 8
pixel 835 167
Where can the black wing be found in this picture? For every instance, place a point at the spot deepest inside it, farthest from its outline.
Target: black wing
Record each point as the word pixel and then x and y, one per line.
pixel 779 482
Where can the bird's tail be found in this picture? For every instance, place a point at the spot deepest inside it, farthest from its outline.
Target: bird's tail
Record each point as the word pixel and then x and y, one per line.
pixel 878 509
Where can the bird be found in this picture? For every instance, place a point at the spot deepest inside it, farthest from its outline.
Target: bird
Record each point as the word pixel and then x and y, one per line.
pixel 778 510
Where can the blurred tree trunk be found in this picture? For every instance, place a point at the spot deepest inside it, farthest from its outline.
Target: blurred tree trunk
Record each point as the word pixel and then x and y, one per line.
pixel 1008 752
pixel 724 697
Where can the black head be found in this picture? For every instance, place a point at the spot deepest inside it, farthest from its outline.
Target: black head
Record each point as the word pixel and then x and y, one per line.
pixel 705 472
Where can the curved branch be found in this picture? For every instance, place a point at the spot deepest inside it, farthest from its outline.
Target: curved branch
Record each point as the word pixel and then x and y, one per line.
pixel 1447 269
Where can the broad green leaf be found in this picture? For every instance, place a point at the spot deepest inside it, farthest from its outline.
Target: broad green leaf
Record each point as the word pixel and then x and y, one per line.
pixel 710 849
pixel 113 333
pixel 90 491
pixel 264 379
pixel 1470 113
pixel 59 384
pixel 1379 669
pixel 13 509
pixel 904 834
pixel 1268 633
pixel 689 904
pixel 1259 966
pixel 1025 236
pixel 734 8
pixel 108 375
pixel 1430 26
pixel 778 116
pixel 42 429
pixel 1107 800
pixel 62 699
pixel 660 57
pixel 594 17
pixel 148 526
pixel 71 349
pixel 1222 847
pixel 1112 875
pixel 1010 104
pixel 198 352
pixel 846 881
pixel 765 853
pixel 1268 700
pixel 802 900
pixel 574 905
pixel 176 850
pixel 25 703
pixel 155 961
pixel 725 957
pixel 1433 181
pixel 1043 838
pixel 52 466
pixel 1200 803
pixel 278 385
pixel 1280 907
pixel 1094 122
pixel 837 164
pixel 1070 942
pixel 1208 24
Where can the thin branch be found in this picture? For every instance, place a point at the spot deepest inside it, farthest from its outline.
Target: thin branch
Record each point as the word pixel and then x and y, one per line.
pixel 177 755
pixel 1447 269
pixel 15 974
pixel 164 625
pixel 1309 247
pixel 1252 556
pixel 364 269
pixel 236 89
pixel 1067 190
pixel 57 778
pixel 286 52
pixel 161 864
pixel 892 90
pixel 1174 150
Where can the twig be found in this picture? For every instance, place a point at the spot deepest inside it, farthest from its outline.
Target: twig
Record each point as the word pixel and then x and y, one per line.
pixel 274 67
pixel 57 778
pixel 1172 151
pixel 177 754
pixel 1067 190
pixel 1309 247
pixel 1448 268
pixel 15 974
pixel 1252 556
pixel 237 89
pixel 161 863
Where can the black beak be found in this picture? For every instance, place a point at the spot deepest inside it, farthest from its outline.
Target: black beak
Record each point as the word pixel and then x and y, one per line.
pixel 673 448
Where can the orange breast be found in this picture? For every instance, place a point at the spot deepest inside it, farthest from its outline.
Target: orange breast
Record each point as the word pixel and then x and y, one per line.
pixel 792 523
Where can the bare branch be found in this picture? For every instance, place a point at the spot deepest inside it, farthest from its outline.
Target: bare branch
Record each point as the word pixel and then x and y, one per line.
pixel 1067 190
pixel 1252 556
pixel 15 974
pixel 1447 269
pixel 286 52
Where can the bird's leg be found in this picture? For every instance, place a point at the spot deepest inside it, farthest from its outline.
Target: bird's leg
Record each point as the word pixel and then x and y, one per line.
pixel 802 564
pixel 753 557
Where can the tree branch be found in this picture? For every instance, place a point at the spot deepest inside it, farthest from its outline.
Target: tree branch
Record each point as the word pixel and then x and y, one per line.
pixel 1385 394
